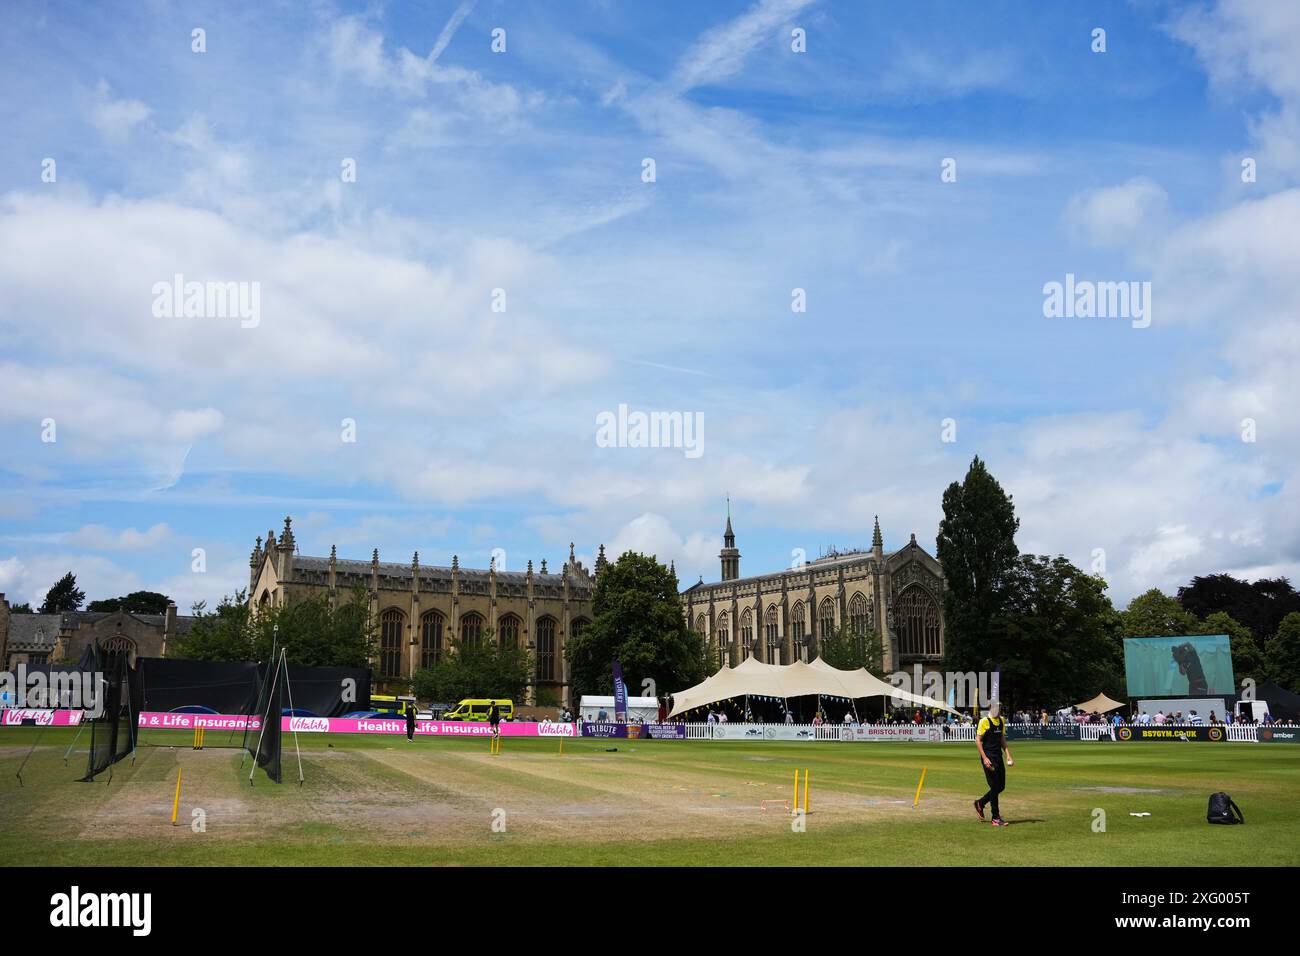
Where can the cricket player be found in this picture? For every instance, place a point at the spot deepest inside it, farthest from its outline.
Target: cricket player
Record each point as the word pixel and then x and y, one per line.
pixel 991 741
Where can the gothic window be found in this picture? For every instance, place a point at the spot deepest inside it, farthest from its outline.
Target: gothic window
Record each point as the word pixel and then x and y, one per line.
pixel 773 637
pixel 916 617
pixel 701 625
pixel 508 630
pixel 431 625
pixel 858 615
pixel 826 619
pixel 471 629
pixel 115 648
pixel 724 639
pixel 746 634
pixel 798 632
pixel 578 626
pixel 390 642
pixel 546 649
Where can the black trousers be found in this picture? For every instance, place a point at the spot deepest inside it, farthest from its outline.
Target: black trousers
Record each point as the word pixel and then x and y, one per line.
pixel 997 780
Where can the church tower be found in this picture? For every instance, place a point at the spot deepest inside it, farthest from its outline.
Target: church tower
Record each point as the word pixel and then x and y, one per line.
pixel 729 555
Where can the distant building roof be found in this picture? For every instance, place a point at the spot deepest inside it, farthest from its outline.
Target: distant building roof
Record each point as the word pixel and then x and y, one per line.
pixel 39 632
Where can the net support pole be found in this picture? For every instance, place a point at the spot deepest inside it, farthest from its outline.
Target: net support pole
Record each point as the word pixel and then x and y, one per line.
pixel 19 774
pixel 81 725
pixel 132 728
pixel 289 687
pixel 257 705
pixel 262 733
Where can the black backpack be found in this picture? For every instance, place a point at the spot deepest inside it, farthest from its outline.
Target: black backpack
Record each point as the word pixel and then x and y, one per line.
pixel 1223 810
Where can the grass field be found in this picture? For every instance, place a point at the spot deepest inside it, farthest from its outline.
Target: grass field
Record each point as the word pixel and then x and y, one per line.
pixel 382 801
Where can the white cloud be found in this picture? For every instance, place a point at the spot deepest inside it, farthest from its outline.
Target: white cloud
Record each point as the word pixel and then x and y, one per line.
pixel 1126 215
pixel 721 52
pixel 98 537
pixel 115 118
pixel 29 577
pixel 354 49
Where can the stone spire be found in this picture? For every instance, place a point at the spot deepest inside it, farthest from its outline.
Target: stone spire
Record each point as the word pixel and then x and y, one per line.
pixel 255 565
pixel 600 560
pixel 729 556
pixel 877 543
pixel 286 548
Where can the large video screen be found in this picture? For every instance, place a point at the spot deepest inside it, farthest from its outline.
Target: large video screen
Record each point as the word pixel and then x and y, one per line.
pixel 1178 666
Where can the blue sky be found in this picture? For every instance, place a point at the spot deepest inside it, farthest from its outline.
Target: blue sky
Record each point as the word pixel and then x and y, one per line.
pixel 522 171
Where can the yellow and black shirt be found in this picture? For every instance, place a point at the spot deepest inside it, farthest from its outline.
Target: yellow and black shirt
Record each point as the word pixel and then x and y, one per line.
pixel 992 730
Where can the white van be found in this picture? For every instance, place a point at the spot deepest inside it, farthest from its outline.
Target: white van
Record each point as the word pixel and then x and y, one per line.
pixel 640 710
pixel 1252 710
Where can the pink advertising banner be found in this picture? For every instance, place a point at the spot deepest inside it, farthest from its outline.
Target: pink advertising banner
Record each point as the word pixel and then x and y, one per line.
pixel 423 728
pixel 14 717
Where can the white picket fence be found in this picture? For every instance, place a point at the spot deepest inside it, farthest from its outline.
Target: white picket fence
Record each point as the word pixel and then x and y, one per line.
pixel 829 731
pixel 944 733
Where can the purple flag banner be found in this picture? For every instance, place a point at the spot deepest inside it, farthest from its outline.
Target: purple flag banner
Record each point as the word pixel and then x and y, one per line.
pixel 620 695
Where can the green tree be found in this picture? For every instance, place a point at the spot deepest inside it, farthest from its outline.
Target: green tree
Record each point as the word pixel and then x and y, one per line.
pixel 638 621
pixel 1284 653
pixel 1260 606
pixel 1247 658
pixel 976 546
pixel 483 669
pixel 1056 639
pixel 137 602
pixel 64 596
pixel 225 634
pixel 848 650
pixel 1155 614
pixel 23 608
pixel 312 631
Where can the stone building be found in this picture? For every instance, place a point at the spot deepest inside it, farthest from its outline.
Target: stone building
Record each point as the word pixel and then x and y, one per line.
pixel 782 617
pixel 418 607
pixel 34 639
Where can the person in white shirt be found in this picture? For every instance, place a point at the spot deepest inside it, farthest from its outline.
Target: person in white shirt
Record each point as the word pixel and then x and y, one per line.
pixel 789 717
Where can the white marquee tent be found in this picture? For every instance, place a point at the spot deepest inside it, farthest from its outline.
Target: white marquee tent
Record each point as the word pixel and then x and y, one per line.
pixel 792 680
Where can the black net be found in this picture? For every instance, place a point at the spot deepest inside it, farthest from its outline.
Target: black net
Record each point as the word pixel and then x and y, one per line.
pixel 113 732
pixel 263 687
pixel 267 739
